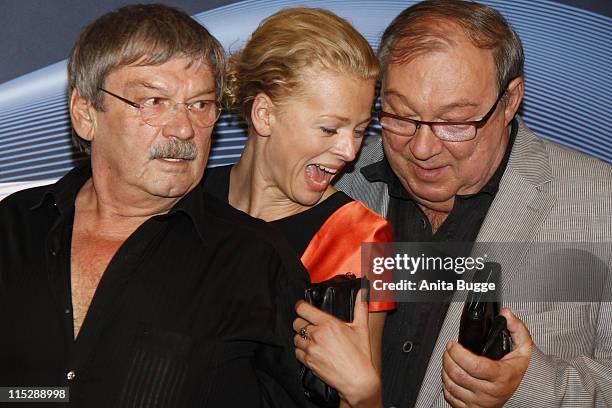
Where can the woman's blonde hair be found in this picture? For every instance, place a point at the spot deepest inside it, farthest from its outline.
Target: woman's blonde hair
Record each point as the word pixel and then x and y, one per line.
pixel 286 43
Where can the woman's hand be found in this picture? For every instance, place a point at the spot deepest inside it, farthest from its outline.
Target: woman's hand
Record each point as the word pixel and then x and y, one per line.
pixel 339 352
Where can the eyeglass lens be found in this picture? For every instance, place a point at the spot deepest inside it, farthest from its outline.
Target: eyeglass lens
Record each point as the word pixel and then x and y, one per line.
pixel 452 133
pixel 202 114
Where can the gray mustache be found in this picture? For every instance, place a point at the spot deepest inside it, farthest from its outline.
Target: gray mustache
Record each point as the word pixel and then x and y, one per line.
pixel 174 149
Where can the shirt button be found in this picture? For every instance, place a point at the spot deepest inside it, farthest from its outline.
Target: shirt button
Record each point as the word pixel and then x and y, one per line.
pixel 71 375
pixel 67 311
pixel 423 223
pixel 407 347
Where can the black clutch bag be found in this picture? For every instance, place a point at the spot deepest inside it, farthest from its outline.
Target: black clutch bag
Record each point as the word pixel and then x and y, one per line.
pixel 482 329
pixel 336 296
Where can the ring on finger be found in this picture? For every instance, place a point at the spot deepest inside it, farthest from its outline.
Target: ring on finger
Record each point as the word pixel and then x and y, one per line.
pixel 303 332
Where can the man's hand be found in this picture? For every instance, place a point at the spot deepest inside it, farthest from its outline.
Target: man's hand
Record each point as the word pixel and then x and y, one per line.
pixel 339 352
pixel 475 381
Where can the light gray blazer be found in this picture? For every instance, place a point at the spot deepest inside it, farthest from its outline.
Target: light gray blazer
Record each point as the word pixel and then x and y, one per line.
pixel 548 193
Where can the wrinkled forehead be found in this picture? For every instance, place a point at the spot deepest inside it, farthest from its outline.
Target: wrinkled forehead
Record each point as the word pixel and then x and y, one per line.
pixel 457 69
pixel 178 72
pixel 432 38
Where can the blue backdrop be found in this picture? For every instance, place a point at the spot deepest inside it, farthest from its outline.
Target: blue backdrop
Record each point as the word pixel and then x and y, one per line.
pixel 568 83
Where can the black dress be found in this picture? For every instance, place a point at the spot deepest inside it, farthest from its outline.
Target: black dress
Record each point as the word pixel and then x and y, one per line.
pixel 298 229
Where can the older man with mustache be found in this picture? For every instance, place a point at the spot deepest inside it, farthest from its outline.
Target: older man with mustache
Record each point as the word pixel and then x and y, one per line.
pixel 123 282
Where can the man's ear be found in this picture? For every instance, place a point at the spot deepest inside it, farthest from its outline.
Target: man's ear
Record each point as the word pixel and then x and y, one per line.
pixel 516 90
pixel 82 115
pixel 262 114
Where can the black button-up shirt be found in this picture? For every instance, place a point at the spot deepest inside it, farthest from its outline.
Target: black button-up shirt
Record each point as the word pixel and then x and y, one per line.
pixel 412 329
pixel 194 309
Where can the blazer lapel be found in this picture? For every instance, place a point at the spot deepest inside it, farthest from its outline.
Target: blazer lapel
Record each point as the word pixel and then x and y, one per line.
pixel 518 210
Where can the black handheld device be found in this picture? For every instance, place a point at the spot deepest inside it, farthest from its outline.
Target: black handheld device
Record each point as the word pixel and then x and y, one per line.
pixel 482 329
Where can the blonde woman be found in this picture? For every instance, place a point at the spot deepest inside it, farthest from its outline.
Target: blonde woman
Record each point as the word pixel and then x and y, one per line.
pixel 305 84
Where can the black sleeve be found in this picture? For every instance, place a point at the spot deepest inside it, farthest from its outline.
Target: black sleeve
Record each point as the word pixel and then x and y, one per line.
pixel 277 367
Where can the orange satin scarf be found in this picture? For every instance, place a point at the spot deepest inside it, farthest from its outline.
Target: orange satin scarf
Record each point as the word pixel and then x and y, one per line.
pixel 336 247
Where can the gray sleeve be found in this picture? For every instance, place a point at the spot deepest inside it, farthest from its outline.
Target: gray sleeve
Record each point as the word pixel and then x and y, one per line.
pixel 584 380
pixel 353 183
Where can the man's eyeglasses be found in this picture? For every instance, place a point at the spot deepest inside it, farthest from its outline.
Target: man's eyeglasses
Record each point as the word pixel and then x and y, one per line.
pixel 447 131
pixel 160 111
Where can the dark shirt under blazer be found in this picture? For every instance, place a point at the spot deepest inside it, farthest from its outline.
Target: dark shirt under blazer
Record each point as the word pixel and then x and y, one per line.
pixel 412 326
pixel 548 193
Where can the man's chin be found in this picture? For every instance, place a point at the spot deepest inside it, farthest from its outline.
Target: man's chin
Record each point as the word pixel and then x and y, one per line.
pixel 172 188
pixel 434 199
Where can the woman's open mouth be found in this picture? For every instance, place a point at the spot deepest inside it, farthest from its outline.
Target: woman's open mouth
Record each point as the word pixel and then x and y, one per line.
pixel 319 176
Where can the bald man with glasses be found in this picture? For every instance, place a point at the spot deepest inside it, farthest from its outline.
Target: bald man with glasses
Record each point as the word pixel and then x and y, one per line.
pixel 455 163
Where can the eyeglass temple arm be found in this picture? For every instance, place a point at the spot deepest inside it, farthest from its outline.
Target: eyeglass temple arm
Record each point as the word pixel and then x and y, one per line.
pixel 486 117
pixel 134 104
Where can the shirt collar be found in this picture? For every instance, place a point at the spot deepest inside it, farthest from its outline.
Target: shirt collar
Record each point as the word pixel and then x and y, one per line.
pixel 194 207
pixel 381 171
pixel 63 194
